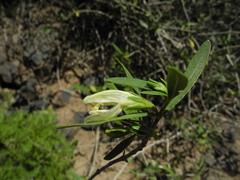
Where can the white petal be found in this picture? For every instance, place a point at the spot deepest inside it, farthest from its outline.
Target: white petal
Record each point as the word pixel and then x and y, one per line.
pixel 92 112
pixel 108 114
pixel 108 97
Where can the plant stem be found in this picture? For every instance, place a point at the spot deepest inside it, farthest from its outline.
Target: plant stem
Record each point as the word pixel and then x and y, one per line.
pixel 122 158
pixel 161 113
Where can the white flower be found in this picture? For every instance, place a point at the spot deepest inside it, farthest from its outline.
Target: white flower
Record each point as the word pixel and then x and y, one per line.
pixel 116 98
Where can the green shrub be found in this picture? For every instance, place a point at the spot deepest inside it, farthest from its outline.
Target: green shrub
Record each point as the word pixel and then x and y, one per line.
pixel 31 148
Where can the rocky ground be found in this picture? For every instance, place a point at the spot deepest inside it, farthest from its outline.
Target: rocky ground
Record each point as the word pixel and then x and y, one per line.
pixel 40 61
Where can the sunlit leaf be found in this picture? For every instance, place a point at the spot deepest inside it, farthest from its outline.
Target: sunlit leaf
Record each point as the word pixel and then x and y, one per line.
pixel 112 86
pixel 159 86
pixel 154 93
pixel 82 88
pixel 128 116
pixel 133 82
pixel 128 74
pixel 193 71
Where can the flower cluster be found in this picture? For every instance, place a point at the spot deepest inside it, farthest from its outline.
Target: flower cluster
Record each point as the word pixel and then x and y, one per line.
pixel 116 98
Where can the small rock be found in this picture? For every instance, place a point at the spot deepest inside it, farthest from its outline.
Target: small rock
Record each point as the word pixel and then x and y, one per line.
pixel 29 50
pixel 79 117
pixel 210 160
pixel 28 90
pixel 66 95
pixel 65 131
pixel 3 57
pixel 38 105
pixel 36 58
pixel 8 72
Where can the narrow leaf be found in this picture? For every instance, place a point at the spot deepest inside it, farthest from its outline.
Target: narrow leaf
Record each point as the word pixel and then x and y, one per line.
pixel 128 74
pixel 112 86
pixel 193 71
pixel 133 82
pixel 75 176
pixel 143 131
pixel 170 171
pixel 117 132
pixel 154 93
pixel 143 24
pixel 129 116
pixel 119 51
pixel 80 87
pixel 119 148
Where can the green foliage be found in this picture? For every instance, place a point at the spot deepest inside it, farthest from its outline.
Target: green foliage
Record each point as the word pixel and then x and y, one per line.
pixel 176 81
pixel 148 171
pixel 175 88
pixel 120 54
pixel 195 131
pixel 151 32
pixel 153 170
pixel 116 132
pixel 75 176
pixel 193 71
pixel 31 148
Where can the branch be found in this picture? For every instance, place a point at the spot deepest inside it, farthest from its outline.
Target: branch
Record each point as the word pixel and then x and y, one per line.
pixel 122 158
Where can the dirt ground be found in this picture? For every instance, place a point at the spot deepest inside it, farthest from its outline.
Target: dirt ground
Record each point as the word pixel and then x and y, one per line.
pixel 42 53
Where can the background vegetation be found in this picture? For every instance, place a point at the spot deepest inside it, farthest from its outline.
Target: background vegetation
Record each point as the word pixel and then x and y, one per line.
pixel 30 147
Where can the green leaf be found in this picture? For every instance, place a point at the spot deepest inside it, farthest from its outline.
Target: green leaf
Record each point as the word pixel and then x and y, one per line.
pixel 137 99
pixel 143 131
pixel 143 24
pixel 129 116
pixel 198 62
pixel 119 148
pixel 75 176
pixel 193 71
pixel 176 81
pixel 159 86
pixel 170 171
pixel 116 132
pixel 128 74
pixel 132 82
pixel 47 30
pixel 112 86
pixel 119 51
pixel 154 93
pixel 82 88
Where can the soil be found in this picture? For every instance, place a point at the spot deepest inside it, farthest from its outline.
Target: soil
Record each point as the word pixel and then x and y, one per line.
pixel 40 63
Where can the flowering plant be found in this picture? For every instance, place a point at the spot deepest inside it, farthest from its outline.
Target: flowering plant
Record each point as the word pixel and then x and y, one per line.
pixel 119 99
pixel 135 115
